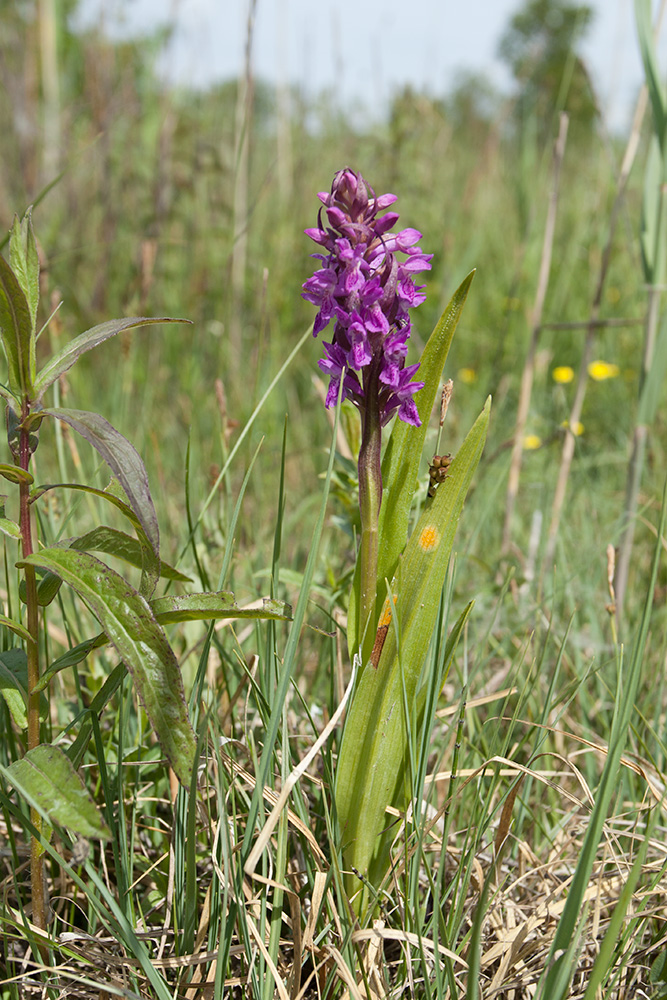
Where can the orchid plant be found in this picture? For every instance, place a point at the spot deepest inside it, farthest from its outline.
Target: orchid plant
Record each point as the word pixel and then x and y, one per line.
pixel 366 286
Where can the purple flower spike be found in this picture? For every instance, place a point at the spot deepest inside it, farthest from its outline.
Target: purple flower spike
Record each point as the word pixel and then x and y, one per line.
pixel 367 291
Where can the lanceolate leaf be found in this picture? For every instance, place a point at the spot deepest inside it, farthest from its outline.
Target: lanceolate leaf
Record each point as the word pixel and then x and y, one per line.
pixel 372 757
pixel 75 655
pixel 124 461
pixel 647 48
pixel 117 543
pixel 16 628
pixel 203 607
pixel 24 260
pixel 140 642
pixel 400 465
pixel 63 360
pixel 150 563
pixel 16 475
pixel 14 686
pixel 16 332
pixel 46 776
pixel 10 528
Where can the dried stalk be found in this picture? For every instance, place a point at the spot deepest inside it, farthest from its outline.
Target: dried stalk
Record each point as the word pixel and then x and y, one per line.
pixel 593 323
pixel 535 320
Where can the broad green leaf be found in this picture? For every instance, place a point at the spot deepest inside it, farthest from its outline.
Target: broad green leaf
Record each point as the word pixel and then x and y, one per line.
pixel 24 260
pixel 117 543
pixel 400 464
pixel 77 654
pixel 14 686
pixel 124 461
pixel 46 776
pixel 202 607
pixel 16 332
pixel 140 642
pixel 370 771
pixel 63 360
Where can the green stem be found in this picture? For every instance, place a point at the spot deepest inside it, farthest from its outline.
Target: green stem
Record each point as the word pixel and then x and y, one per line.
pixel 32 653
pixel 370 498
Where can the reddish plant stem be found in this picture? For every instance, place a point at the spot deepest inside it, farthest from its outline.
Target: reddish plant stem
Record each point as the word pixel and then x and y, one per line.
pixel 32 652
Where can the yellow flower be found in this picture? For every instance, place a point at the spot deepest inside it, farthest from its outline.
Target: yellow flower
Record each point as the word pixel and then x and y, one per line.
pixel 601 370
pixel 531 442
pixel 577 427
pixel 562 374
pixel 468 375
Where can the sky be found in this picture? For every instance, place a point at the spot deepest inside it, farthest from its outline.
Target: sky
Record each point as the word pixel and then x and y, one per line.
pixel 367 49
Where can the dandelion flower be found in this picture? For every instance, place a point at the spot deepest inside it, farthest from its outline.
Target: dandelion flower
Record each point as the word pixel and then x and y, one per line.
pixel 601 370
pixel 531 442
pixel 562 374
pixel 577 427
pixel 467 375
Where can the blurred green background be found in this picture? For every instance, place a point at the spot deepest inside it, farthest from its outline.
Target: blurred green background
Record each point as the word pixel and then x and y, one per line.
pixel 165 200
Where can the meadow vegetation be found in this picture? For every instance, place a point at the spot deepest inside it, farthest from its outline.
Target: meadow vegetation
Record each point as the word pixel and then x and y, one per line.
pixel 532 861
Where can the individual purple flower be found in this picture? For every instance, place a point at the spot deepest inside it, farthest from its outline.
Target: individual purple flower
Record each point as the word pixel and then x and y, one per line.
pixel 364 287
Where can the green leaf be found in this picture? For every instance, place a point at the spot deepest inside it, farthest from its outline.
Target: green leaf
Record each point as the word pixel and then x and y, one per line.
pixel 48 585
pixel 150 567
pixel 77 654
pixel 7 526
pixel 11 688
pixel 46 776
pixel 202 607
pixel 400 465
pixel 371 762
pixel 63 360
pixel 16 475
pixel 141 644
pixel 652 71
pixel 14 686
pixel 651 391
pixel 124 461
pixel 117 543
pixel 16 628
pixel 24 260
pixel 10 528
pixel 16 332
pixel 76 750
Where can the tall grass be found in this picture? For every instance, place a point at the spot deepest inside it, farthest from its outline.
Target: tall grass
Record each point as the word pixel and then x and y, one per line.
pixel 532 860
